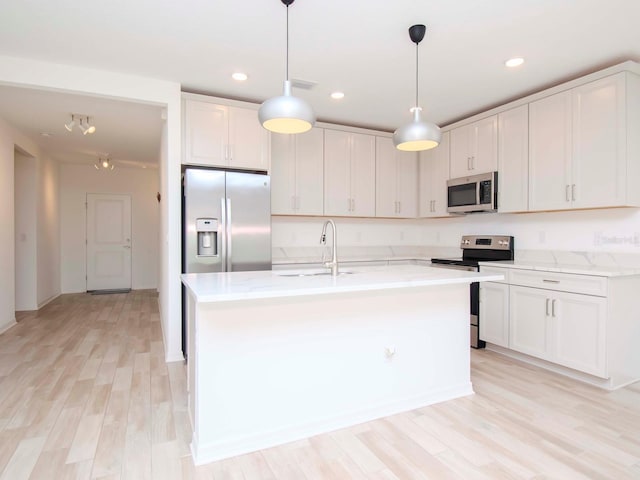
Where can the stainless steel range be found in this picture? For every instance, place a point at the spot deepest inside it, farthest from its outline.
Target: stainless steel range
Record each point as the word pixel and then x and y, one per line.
pixel 475 249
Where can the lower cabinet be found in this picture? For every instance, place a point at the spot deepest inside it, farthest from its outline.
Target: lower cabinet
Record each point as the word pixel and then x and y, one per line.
pixel 567 319
pixel 564 328
pixel 494 313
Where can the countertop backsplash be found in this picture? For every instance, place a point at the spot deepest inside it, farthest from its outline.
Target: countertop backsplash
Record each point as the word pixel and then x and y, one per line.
pixel 313 255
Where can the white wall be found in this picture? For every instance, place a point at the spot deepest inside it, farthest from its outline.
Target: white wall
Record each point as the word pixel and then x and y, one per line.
pixel 23 72
pixel 142 185
pixel 25 225
pixel 7 252
pixel 47 228
pixel 605 230
pixel 48 245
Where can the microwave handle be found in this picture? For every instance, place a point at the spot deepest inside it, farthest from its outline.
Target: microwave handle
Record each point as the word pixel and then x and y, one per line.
pixel 478 187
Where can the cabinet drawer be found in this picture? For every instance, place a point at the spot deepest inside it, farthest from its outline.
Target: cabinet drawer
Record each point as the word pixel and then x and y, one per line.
pixel 563 282
pixel 497 271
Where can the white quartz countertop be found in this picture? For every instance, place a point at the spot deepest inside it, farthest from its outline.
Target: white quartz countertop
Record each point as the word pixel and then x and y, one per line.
pixel 596 270
pixel 222 287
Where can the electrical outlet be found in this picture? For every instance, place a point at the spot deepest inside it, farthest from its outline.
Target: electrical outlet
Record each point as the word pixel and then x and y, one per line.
pixel 542 237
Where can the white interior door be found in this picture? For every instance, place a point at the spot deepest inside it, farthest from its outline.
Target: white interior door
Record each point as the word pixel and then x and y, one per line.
pixel 108 241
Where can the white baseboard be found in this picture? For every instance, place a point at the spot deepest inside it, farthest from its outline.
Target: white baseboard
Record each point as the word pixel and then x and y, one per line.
pixel 48 300
pixel 238 446
pixel 4 328
pixel 612 383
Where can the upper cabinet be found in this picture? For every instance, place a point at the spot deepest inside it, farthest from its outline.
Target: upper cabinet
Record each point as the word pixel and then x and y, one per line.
pixel 224 136
pixel 297 173
pixel 396 181
pixel 513 160
pixel 349 174
pixel 474 148
pixel 582 143
pixel 434 172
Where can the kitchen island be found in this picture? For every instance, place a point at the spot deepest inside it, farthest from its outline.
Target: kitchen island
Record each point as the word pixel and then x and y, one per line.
pixel 276 356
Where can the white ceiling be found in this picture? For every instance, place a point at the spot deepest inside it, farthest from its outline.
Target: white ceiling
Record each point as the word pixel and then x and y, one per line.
pixel 360 47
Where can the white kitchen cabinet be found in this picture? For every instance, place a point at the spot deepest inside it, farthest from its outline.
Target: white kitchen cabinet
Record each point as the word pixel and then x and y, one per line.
pixel 224 136
pixel 297 172
pixel 494 313
pixel 564 328
pixel 513 160
pixel 474 148
pixel 349 174
pixel 550 152
pixel 434 172
pixel 579 332
pixel 583 146
pixel 396 181
pixel 529 313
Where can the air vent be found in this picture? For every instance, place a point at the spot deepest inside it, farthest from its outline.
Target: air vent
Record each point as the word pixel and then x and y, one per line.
pixel 303 84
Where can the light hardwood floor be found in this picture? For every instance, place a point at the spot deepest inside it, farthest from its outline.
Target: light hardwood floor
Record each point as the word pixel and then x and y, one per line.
pixel 85 393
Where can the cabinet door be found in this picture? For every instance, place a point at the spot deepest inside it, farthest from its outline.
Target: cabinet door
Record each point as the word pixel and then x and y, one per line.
pixel 484 145
pixel 494 313
pixel 396 181
pixel 205 133
pixel 529 313
pixel 283 174
pixel 434 173
pixel 363 175
pixel 460 159
pixel 599 143
pixel 386 178
pixel 513 160
pixel 248 141
pixel 337 173
pixel 309 172
pixel 550 153
pixel 579 332
pixel 407 181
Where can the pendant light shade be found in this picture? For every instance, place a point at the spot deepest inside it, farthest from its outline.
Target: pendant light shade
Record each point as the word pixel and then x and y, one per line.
pixel 286 113
pixel 417 135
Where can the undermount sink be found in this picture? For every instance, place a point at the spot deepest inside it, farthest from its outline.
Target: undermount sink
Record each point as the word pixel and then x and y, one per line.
pixel 311 274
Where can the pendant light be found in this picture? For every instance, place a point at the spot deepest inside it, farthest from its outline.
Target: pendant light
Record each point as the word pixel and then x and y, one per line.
pixel 417 135
pixel 286 113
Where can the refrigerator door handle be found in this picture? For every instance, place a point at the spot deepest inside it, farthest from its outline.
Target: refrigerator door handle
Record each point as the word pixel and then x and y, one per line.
pixel 227 229
pixel 223 234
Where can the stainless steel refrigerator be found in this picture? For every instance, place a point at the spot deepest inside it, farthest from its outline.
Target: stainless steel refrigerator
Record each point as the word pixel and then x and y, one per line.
pixel 226 221
pixel 226 224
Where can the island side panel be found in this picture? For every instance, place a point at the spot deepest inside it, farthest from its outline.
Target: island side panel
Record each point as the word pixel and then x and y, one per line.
pixel 270 371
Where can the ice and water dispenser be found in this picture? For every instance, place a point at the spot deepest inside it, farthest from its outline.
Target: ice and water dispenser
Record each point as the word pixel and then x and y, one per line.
pixel 207 230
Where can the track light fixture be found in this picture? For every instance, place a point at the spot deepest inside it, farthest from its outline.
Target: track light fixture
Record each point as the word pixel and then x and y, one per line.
pixel 286 113
pixel 417 135
pixel 83 124
pixel 104 163
pixel 69 126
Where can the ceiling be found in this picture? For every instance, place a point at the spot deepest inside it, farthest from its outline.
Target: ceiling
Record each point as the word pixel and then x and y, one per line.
pixel 360 47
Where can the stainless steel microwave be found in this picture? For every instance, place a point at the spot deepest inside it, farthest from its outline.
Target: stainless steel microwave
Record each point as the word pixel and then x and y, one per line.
pixel 476 193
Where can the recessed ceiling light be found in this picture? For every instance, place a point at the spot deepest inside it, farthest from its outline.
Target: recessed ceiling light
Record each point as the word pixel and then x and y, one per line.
pixel 337 95
pixel 239 76
pixel 46 134
pixel 514 62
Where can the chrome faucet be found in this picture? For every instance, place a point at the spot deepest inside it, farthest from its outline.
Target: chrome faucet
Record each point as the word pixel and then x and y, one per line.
pixel 333 264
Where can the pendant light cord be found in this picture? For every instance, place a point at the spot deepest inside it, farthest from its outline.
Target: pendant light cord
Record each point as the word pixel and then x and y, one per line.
pixel 287 62
pixel 417 64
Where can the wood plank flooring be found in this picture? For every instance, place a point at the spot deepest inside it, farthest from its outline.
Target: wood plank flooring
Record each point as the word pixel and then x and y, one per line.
pixel 85 394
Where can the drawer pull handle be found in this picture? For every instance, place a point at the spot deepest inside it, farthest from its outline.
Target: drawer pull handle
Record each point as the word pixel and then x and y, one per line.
pixel 550 281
